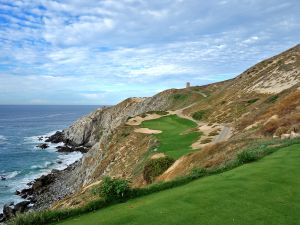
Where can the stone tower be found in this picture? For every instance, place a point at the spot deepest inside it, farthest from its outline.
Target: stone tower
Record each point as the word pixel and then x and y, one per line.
pixel 188 84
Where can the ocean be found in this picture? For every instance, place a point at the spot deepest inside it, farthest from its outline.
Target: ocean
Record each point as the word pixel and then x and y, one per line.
pixel 20 160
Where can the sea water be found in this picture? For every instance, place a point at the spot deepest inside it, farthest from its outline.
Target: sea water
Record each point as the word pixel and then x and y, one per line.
pixel 20 160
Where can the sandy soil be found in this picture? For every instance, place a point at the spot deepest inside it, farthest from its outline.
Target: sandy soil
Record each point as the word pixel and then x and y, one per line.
pixel 147 131
pixel 136 121
pixel 158 155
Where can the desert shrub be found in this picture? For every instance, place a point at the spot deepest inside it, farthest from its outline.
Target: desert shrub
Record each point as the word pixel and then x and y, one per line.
pixel 180 96
pixel 270 127
pixel 251 101
pixel 155 167
pixel 114 189
pixel 161 113
pixel 206 141
pixel 143 115
pixel 272 99
pixel 247 156
pixel 281 130
pixel 198 115
pixel 128 118
pixel 213 133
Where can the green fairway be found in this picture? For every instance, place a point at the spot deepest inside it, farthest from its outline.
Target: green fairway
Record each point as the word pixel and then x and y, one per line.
pixel 266 192
pixel 175 139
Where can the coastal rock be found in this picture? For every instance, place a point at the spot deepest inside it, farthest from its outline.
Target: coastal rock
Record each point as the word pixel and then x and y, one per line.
pixel 8 211
pixel 42 146
pixel 21 207
pixel 56 138
pixel 66 148
pixel 2 178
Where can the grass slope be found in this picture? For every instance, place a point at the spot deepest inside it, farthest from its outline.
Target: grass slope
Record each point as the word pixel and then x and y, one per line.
pixel 262 193
pixel 175 139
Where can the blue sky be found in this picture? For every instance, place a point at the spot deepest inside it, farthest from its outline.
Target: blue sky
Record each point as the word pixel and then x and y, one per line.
pixel 102 51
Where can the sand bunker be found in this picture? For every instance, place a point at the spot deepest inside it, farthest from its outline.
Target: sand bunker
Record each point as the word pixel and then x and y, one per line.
pixel 147 131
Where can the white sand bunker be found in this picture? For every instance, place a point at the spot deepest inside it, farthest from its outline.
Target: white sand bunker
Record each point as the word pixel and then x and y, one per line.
pixel 147 131
pixel 136 121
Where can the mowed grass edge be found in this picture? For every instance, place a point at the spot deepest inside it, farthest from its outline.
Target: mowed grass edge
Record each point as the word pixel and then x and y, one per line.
pixel 265 192
pixel 178 134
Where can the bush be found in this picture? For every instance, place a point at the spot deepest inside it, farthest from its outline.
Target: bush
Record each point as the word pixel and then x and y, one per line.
pixel 206 141
pixel 161 113
pixel 198 115
pixel 114 189
pixel 251 101
pixel 270 127
pixel 198 172
pixel 247 156
pixel 272 99
pixel 180 96
pixel 155 167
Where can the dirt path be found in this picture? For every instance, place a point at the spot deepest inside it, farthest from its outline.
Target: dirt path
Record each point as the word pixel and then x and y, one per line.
pixel 225 131
pixel 224 135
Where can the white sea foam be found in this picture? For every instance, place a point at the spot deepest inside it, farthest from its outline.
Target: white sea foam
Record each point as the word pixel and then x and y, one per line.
pixel 39 138
pixel 10 175
pixel 3 139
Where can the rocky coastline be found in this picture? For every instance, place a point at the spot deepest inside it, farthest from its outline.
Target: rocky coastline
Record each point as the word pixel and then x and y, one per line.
pixel 35 196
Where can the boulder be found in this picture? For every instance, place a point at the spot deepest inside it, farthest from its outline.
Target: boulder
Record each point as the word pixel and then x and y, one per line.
pixel 43 146
pixel 56 138
pixel 8 211
pixel 294 135
pixel 67 148
pixel 21 207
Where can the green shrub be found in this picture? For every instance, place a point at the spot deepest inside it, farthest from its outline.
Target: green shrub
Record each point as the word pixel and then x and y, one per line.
pixel 272 99
pixel 251 101
pixel 161 113
pixel 180 96
pixel 155 167
pixel 198 172
pixel 114 189
pixel 199 115
pixel 247 156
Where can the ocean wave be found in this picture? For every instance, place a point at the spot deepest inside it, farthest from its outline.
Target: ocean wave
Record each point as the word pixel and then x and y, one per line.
pixel 39 138
pixel 3 139
pixel 42 166
pixel 10 175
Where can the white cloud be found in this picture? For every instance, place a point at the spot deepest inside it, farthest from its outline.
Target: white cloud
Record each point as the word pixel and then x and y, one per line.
pixel 93 49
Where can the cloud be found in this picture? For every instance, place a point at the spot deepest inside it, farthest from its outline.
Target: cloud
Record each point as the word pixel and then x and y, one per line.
pixel 91 51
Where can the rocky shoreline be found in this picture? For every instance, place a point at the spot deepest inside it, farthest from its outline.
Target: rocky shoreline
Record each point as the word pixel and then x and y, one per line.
pixel 39 194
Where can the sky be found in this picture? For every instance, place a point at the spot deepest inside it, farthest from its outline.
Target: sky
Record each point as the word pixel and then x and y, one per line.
pixel 102 51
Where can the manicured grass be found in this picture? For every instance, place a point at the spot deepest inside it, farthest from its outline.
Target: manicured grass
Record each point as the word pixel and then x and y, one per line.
pixel 265 192
pixel 175 139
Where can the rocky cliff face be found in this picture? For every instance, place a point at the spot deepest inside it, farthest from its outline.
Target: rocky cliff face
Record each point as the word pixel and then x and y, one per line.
pixel 110 154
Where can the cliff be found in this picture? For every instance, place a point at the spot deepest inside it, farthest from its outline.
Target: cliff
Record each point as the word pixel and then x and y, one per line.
pixel 117 151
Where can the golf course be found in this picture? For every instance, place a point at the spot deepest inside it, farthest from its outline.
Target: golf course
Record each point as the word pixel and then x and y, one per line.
pixel 177 134
pixel 265 192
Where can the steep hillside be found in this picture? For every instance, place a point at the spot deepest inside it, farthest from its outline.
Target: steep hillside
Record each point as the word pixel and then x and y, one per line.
pixel 261 103
pixel 264 192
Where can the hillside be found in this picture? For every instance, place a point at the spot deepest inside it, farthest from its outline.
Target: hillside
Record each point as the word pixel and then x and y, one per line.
pixel 223 119
pixel 264 192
